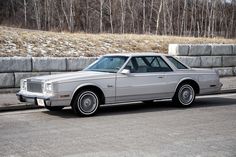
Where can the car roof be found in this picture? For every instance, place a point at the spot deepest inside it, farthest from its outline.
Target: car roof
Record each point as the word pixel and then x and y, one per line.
pixel 137 54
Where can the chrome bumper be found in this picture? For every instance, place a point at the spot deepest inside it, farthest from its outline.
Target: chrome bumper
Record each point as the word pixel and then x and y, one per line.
pixel 33 99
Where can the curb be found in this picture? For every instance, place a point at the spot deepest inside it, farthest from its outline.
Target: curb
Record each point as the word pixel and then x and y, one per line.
pixel 225 91
pixel 9 90
pixel 19 107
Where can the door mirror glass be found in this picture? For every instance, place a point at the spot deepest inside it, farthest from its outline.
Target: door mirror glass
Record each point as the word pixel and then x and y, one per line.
pixel 125 71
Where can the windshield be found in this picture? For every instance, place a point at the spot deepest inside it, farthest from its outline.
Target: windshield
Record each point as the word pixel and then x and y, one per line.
pixel 108 64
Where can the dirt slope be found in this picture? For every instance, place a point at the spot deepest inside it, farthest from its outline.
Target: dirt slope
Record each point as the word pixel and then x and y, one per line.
pixel 23 42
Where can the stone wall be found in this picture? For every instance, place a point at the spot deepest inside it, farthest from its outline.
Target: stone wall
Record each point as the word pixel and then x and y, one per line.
pixel 221 57
pixel 13 69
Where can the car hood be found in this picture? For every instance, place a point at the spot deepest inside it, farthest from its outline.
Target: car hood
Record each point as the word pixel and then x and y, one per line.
pixel 80 75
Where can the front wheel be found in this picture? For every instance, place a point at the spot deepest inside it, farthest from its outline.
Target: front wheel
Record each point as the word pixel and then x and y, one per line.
pixel 86 103
pixel 184 95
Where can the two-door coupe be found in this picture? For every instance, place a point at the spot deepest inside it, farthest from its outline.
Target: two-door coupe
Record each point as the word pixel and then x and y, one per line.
pixel 119 78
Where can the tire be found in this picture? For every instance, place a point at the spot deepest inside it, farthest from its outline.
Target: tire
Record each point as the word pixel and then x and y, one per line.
pixel 54 108
pixel 148 101
pixel 86 103
pixel 184 95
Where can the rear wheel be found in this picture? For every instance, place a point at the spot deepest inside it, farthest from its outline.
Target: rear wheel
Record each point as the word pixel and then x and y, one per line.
pixel 86 103
pixel 184 95
pixel 54 108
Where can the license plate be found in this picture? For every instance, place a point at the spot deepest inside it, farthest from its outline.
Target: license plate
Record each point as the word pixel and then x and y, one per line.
pixel 40 102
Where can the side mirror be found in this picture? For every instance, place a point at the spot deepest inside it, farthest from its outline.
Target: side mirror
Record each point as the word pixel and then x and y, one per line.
pixel 125 71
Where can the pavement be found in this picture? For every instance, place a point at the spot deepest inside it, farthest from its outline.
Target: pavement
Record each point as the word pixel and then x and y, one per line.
pixel 8 100
pixel 207 129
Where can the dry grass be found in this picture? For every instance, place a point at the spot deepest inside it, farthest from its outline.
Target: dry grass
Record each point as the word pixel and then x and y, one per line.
pixel 22 42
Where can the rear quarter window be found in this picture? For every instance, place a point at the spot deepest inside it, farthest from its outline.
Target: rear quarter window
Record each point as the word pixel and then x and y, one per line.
pixel 177 64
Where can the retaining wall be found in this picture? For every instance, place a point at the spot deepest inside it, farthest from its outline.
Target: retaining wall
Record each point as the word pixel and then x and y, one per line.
pixel 221 57
pixel 13 69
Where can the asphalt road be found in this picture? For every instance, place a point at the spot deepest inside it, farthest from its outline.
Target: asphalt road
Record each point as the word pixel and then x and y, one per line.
pixel 160 129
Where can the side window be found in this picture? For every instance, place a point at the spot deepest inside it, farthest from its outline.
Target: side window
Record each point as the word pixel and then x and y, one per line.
pixel 177 64
pixel 159 65
pixel 137 65
pixel 147 64
pixel 130 66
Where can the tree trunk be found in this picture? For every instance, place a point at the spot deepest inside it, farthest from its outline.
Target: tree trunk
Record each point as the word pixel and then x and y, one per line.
pixel 150 17
pixel 132 16
pixel 37 14
pixel 25 12
pixel 122 3
pixel 144 15
pixel 183 21
pixel 87 16
pixel 158 17
pixel 110 12
pixel 101 14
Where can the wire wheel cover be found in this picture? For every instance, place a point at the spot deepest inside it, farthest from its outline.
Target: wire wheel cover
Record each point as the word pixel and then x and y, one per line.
pixel 186 94
pixel 87 102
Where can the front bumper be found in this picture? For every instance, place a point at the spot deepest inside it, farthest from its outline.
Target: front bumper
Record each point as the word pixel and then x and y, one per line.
pixel 40 99
pixel 34 99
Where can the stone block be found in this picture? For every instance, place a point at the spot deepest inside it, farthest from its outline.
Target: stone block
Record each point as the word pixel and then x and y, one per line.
pixel 190 61
pixel 234 50
pixel 178 49
pixel 200 50
pixel 48 64
pixel 11 64
pixel 234 71
pixel 226 71
pixel 79 63
pixel 229 61
pixel 6 80
pixel 222 49
pixel 19 76
pixel 211 61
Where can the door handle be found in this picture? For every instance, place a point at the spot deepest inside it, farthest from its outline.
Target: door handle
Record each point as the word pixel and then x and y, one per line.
pixel 160 76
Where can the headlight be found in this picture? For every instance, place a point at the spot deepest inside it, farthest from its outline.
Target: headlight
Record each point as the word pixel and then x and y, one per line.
pixel 23 85
pixel 48 88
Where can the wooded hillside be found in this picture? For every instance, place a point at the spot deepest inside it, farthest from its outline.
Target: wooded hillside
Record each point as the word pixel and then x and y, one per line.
pixel 205 18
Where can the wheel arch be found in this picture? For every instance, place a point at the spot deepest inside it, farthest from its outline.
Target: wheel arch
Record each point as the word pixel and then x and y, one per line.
pixel 190 81
pixel 93 87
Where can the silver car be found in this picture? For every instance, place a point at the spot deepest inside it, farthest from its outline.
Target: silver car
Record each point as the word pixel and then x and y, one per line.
pixel 119 78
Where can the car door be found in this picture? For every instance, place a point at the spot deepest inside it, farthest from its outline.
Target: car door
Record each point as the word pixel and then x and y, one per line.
pixel 146 80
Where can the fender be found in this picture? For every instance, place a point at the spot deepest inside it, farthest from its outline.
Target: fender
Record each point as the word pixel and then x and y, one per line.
pixel 184 79
pixel 83 85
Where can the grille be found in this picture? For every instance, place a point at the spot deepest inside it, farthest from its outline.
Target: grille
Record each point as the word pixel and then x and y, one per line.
pixel 34 86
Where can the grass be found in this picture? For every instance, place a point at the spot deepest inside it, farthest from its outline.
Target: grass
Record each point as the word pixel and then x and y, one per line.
pixel 23 42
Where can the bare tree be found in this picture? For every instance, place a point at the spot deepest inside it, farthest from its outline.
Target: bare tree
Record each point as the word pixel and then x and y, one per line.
pixel 207 18
pixel 158 16
pixel 144 15
pixel 150 16
pixel 37 11
pixel 110 15
pixel 25 12
pixel 122 4
pixel 101 14
pixel 183 25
